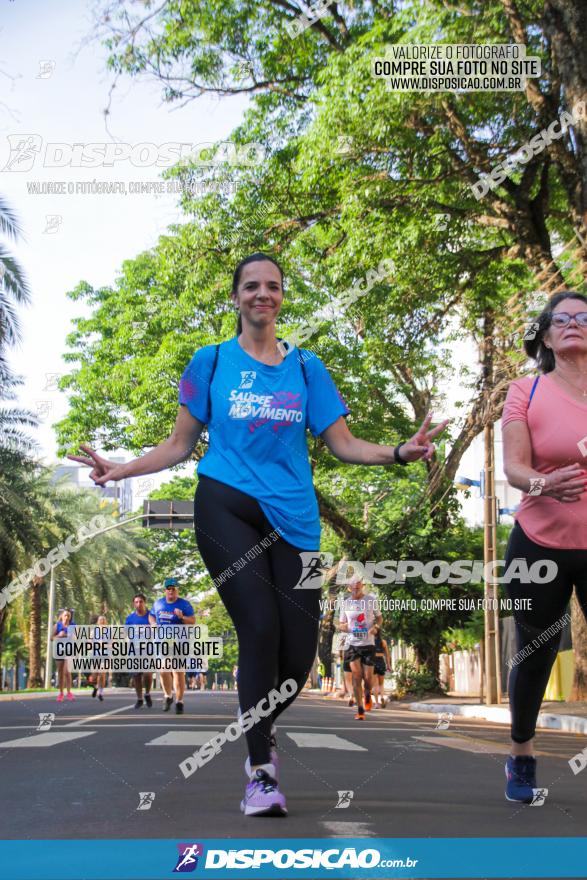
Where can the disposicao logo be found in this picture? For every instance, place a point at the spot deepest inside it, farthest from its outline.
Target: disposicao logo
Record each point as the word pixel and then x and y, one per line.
pixel 187 860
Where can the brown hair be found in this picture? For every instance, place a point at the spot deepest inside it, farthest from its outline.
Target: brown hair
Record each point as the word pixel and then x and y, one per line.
pixel 252 258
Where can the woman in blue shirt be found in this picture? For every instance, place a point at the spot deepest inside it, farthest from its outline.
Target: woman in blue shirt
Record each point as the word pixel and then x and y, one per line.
pixel 255 505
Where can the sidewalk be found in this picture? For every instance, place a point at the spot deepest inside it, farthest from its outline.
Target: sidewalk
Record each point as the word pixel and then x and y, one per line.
pixel 24 695
pixel 571 717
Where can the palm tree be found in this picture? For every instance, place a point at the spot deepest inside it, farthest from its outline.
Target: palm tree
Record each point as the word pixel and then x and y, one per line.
pixel 14 289
pixel 102 575
pixel 15 446
pixel 17 489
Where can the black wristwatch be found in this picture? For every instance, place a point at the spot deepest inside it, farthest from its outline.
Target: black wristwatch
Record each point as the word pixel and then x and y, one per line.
pixel 396 456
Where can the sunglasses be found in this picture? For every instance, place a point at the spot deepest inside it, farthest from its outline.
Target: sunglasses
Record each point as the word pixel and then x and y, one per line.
pixel 563 319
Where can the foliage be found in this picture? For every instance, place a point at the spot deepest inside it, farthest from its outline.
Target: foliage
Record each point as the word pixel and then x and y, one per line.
pixel 331 216
pixel 467 637
pixel 411 681
pixel 211 612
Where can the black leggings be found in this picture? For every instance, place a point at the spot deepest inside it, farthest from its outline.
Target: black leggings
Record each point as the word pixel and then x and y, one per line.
pixel 276 627
pixel 549 601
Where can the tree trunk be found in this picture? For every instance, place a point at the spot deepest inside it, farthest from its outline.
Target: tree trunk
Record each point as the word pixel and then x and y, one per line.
pixel 2 625
pixel 16 665
pixel 579 634
pixel 565 25
pixel 35 678
pixel 428 656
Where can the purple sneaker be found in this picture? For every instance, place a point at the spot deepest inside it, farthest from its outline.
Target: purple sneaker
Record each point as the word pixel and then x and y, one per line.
pixel 262 797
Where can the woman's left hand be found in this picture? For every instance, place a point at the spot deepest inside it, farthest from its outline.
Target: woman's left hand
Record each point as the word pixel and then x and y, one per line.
pixel 420 446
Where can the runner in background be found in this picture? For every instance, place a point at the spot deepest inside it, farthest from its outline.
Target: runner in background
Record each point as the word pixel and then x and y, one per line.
pixel 140 617
pixel 358 616
pixel 171 609
pixel 320 674
pixel 101 676
pixel 63 673
pixel 347 675
pixel 382 665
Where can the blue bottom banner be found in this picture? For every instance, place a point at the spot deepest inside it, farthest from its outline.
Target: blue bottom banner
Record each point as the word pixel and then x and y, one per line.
pixel 257 858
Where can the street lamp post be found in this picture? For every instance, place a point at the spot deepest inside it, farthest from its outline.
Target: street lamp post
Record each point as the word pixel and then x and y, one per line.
pixel 49 659
pixel 491 592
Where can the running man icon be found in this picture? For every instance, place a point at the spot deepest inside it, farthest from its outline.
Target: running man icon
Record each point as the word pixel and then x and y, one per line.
pixel 314 569
pixel 187 860
pixel 344 799
pixel 146 799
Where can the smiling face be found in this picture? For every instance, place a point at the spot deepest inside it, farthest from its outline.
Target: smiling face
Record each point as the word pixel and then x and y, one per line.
pixel 572 339
pixel 260 293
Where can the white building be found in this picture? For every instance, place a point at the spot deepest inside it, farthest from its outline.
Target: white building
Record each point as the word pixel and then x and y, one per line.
pixel 120 491
pixel 471 466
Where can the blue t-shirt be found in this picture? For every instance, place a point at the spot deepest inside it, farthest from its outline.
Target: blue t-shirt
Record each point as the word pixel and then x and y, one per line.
pixel 137 619
pixel 162 611
pixel 258 427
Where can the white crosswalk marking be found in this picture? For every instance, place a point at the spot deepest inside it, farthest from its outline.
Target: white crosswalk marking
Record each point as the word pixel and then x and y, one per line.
pixel 477 747
pixel 43 740
pixel 324 741
pixel 348 829
pixel 183 738
pixel 89 719
pixel 410 745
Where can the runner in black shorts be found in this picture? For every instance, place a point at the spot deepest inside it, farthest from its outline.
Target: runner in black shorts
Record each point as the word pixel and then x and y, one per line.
pixel 358 615
pixel 255 505
pixel 382 664
pixel 346 671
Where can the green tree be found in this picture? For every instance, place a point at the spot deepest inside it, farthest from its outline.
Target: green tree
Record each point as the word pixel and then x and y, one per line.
pixel 332 216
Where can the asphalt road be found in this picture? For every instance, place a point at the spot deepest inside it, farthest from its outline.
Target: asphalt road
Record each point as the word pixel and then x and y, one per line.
pixel 82 779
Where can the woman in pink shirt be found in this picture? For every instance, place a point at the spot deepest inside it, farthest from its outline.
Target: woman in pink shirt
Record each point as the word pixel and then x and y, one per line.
pixel 544 427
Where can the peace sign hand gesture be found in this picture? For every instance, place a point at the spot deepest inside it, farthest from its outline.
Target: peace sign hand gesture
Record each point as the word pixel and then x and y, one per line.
pixel 102 469
pixel 420 446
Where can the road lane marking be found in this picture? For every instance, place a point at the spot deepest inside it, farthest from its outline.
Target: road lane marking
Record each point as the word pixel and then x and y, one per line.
pixel 349 829
pixel 467 745
pixel 183 738
pixel 324 741
pixel 91 718
pixel 44 740
pixel 411 746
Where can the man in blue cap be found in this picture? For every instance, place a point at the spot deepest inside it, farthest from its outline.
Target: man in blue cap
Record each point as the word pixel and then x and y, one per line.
pixel 171 609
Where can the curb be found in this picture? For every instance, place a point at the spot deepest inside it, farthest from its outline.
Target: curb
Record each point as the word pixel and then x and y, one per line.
pixel 501 715
pixel 25 696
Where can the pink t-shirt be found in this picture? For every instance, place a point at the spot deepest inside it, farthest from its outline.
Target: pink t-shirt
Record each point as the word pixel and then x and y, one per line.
pixel 557 423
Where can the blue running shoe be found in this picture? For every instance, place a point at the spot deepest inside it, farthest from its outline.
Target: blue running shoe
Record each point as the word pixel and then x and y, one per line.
pixel 521 779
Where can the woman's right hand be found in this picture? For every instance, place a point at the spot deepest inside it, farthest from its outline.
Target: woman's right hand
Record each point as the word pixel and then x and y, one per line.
pixel 102 469
pixel 566 483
